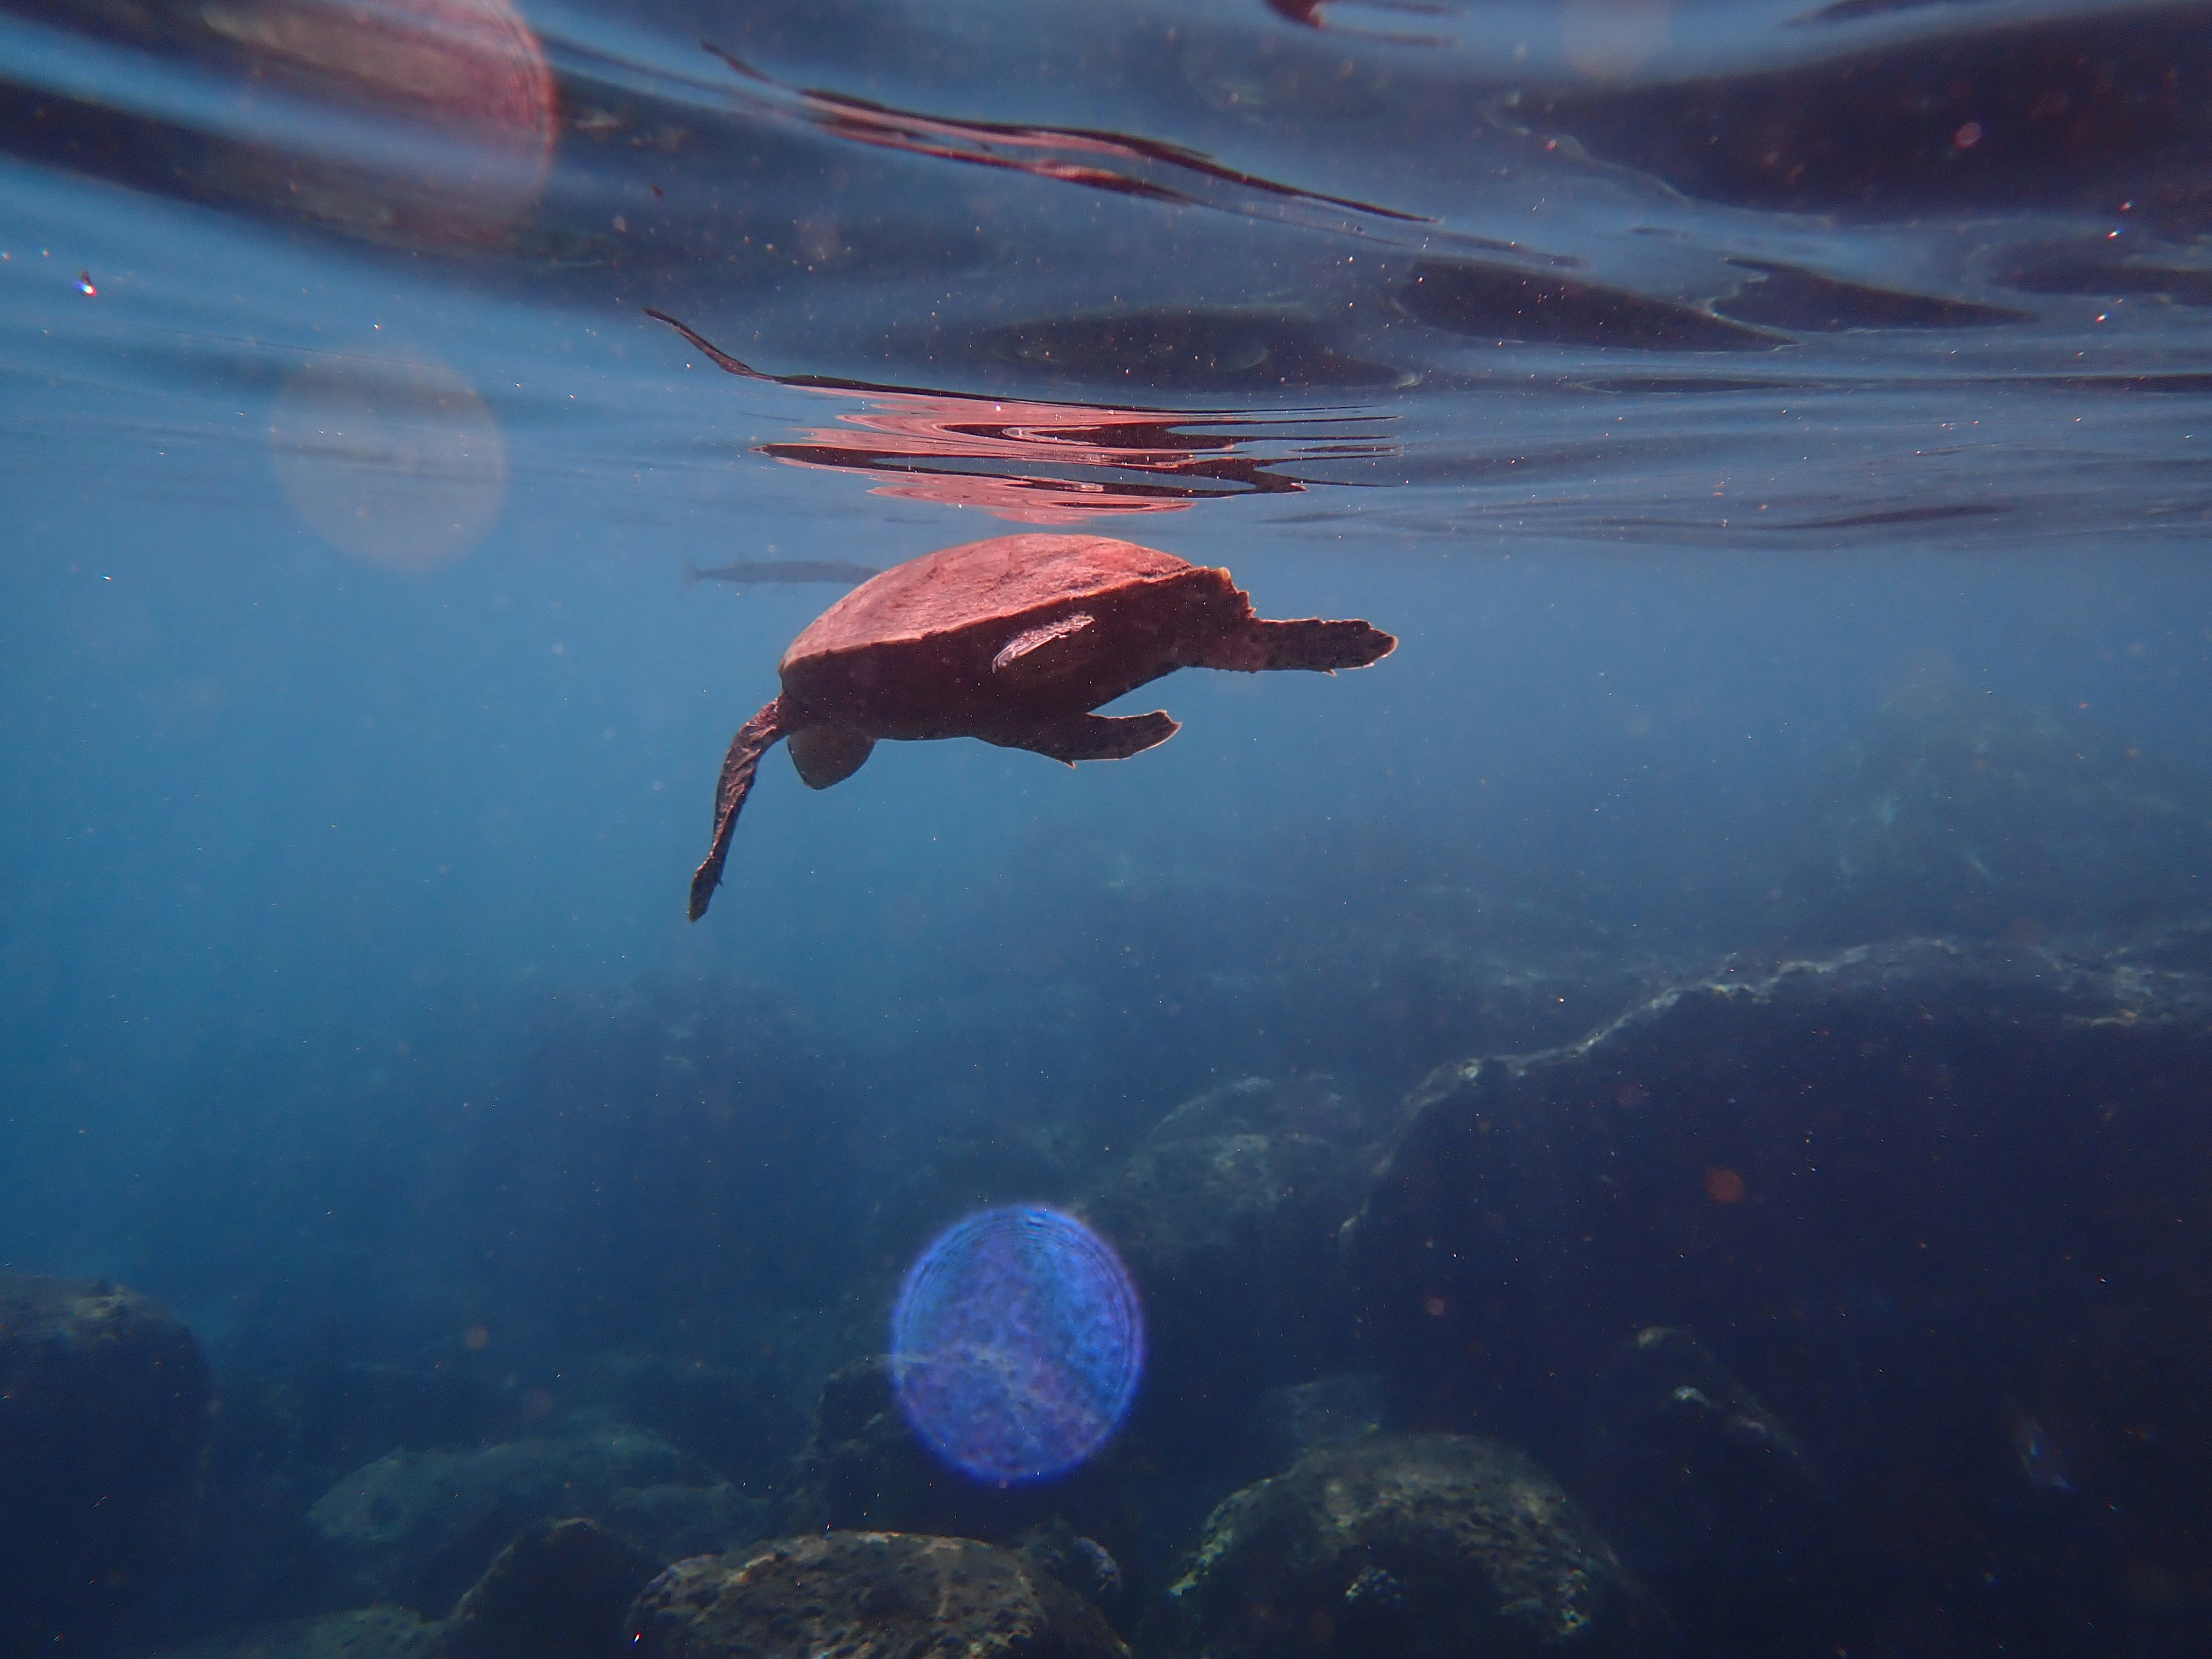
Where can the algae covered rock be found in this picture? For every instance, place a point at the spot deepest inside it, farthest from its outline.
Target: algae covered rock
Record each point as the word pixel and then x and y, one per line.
pixel 104 1400
pixel 417 1528
pixel 380 1632
pixel 867 1595
pixel 1419 1547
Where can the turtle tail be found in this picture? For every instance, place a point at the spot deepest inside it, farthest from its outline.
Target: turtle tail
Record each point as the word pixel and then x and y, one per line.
pixel 755 738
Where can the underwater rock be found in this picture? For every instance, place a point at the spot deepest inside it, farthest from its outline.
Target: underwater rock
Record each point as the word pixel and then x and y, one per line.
pixel 104 1402
pixel 1892 1174
pixel 1958 812
pixel 559 1591
pixel 417 1528
pixel 1420 1547
pixel 745 1421
pixel 1084 1564
pixel 1707 1494
pixel 1230 1228
pixel 867 1595
pixel 380 1632
pixel 864 1468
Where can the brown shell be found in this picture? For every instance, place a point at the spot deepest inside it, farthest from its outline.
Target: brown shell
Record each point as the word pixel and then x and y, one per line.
pixel 981 584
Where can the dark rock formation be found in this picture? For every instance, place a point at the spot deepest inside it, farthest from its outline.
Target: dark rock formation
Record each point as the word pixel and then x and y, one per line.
pixel 1709 1497
pixel 1957 812
pixel 1085 1566
pixel 1227 1218
pixel 1915 1182
pixel 867 1595
pixel 864 1468
pixel 103 1413
pixel 1426 1547
pixel 559 1591
pixel 418 1528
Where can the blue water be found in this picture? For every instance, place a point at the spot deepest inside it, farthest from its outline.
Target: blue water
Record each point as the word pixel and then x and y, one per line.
pixel 1682 385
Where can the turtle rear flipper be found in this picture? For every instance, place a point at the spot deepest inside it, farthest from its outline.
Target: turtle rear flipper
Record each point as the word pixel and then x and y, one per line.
pixel 755 738
pixel 828 754
pixel 1313 644
pixel 1093 736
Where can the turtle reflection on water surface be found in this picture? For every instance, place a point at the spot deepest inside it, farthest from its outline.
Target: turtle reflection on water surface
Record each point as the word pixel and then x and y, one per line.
pixel 1014 641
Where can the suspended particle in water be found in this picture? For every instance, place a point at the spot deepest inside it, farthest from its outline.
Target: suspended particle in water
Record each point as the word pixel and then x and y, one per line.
pixel 84 285
pixel 1016 1344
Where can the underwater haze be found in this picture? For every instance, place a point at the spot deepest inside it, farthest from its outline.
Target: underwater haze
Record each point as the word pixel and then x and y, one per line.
pixel 1713 1033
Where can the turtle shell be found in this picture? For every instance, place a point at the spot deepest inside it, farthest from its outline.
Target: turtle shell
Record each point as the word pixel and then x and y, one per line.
pixel 921 642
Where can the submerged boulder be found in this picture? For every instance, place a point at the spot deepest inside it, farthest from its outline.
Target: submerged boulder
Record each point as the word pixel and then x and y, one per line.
pixel 1419 1547
pixel 867 1595
pixel 1227 1218
pixel 1929 1188
pixel 559 1591
pixel 1710 1498
pixel 380 1632
pixel 417 1528
pixel 864 1467
pixel 104 1402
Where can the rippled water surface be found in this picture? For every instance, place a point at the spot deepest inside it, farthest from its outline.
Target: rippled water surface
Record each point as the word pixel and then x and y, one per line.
pixel 426 422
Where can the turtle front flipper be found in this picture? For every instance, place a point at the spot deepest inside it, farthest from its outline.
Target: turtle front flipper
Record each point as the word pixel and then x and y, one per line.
pixel 755 738
pixel 1256 644
pixel 1093 737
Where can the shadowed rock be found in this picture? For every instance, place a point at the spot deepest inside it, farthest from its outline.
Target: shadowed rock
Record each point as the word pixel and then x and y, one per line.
pixel 1227 1218
pixel 559 1591
pixel 104 1402
pixel 1709 1497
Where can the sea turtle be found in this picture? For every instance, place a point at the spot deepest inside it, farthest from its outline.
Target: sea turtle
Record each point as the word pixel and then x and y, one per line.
pixel 1014 641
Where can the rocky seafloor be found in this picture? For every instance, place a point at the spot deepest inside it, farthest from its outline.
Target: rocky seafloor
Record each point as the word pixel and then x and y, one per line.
pixel 1839 1299
pixel 1856 1302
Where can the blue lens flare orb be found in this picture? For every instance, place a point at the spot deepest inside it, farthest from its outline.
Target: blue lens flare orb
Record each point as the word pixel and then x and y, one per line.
pixel 1017 1344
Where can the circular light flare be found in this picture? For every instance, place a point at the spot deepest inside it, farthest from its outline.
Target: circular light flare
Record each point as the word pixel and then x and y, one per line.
pixel 1015 1345
pixel 397 462
pixel 1612 40
pixel 1724 1186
